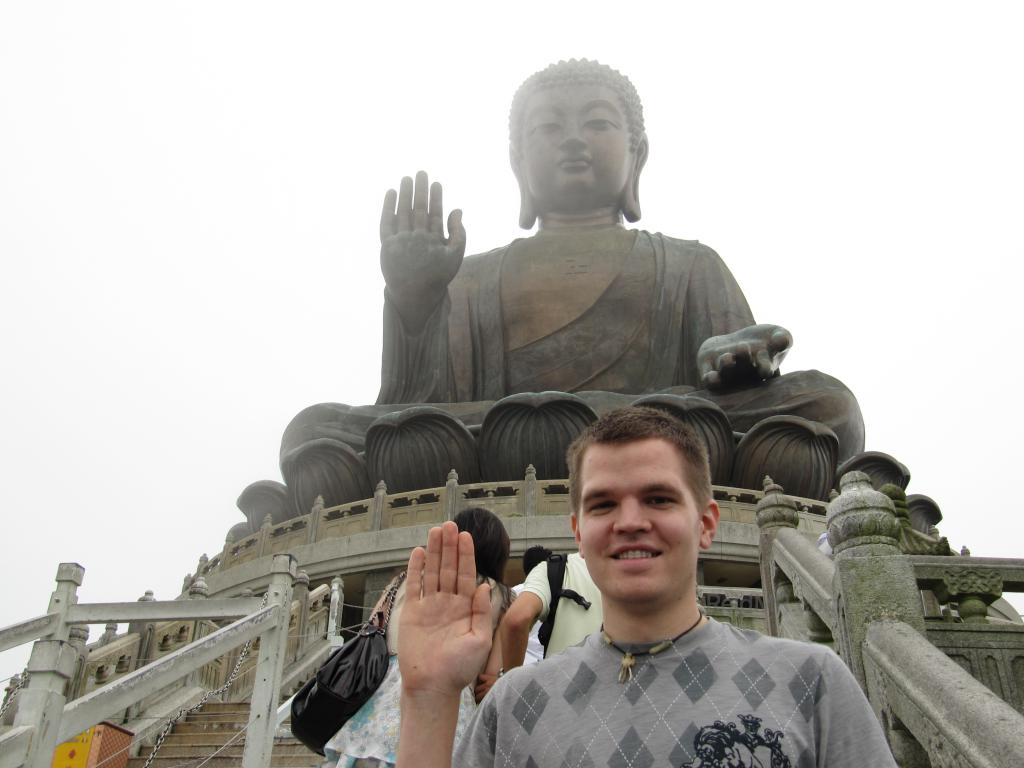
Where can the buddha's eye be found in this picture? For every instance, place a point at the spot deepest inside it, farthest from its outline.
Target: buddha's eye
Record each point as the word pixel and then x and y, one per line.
pixel 600 124
pixel 546 129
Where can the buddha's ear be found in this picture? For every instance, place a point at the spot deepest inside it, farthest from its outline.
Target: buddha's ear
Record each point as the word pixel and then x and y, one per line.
pixel 631 194
pixel 527 214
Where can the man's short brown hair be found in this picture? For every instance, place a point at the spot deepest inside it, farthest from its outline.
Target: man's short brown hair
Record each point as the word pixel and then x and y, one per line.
pixel 629 425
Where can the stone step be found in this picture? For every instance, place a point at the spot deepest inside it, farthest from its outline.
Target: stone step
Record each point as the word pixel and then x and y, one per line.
pixel 225 706
pixel 197 727
pixel 241 716
pixel 217 737
pixel 234 750
pixel 283 761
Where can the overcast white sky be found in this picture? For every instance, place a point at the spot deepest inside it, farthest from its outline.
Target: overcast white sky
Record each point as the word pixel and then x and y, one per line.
pixel 189 198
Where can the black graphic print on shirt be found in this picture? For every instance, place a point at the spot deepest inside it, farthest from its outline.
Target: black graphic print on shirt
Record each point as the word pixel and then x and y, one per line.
pixel 724 745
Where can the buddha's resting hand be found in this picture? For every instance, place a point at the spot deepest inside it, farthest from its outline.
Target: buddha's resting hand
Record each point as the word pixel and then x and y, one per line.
pixel 743 357
pixel 417 260
pixel 445 624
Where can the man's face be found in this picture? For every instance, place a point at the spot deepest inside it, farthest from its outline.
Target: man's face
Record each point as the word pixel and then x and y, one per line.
pixel 575 147
pixel 639 526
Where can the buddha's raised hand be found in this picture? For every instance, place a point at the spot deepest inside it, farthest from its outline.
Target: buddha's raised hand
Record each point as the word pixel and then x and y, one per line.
pixel 417 260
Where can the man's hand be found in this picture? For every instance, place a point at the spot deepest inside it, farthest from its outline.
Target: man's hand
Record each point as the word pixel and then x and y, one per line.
pixel 417 261
pixel 445 625
pixel 444 636
pixel 746 356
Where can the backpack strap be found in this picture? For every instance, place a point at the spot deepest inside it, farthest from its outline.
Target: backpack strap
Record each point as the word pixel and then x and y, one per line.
pixel 556 577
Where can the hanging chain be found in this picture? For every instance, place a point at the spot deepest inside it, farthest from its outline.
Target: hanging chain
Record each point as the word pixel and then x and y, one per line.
pixel 12 693
pixel 206 696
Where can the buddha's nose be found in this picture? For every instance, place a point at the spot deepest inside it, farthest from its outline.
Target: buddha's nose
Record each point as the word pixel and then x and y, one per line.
pixel 573 145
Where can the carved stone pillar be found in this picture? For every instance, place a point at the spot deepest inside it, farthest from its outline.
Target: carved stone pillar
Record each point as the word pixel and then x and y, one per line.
pixel 451 495
pixel 377 507
pixel 972 589
pixel 300 593
pixel 530 492
pixel 775 511
pixel 78 636
pixel 334 617
pixel 314 519
pixel 873 579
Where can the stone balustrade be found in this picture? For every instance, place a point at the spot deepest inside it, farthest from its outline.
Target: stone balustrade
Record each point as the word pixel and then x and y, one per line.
pixel 46 717
pixel 376 534
pixel 945 684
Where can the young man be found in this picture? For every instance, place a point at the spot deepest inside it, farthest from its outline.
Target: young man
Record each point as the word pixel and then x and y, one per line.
pixel 661 684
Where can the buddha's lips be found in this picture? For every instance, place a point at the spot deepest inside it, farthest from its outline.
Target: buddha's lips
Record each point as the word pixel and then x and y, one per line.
pixel 574 164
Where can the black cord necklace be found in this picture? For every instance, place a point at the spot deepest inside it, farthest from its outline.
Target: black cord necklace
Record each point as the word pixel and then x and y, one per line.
pixel 629 658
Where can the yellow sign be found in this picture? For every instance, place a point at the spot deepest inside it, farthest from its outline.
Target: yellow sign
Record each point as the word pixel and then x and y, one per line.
pixel 75 752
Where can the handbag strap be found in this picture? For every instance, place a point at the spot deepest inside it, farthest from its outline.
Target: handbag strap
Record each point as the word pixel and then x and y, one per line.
pixel 383 617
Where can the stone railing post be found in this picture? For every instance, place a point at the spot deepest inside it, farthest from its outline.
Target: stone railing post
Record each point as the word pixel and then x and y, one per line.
pixel 12 707
pixel 775 511
pixel 198 591
pixel 377 506
pixel 873 579
pixel 451 495
pixel 300 592
pixel 259 735
pixel 146 645
pixel 51 665
pixel 530 490
pixel 972 589
pixel 314 519
pixel 334 637
pixel 264 544
pixel 78 638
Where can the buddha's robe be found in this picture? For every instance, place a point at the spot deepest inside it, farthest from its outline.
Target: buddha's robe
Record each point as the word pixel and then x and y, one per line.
pixel 640 336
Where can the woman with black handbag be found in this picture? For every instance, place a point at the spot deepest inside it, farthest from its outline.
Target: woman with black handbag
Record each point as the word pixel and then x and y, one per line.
pixel 370 738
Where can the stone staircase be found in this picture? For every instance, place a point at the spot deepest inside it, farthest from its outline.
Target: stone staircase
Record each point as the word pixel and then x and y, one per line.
pixel 194 741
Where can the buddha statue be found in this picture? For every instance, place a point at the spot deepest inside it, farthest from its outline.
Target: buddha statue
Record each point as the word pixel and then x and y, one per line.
pixel 582 316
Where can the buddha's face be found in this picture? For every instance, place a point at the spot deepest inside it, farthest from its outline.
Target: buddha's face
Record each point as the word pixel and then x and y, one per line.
pixel 575 149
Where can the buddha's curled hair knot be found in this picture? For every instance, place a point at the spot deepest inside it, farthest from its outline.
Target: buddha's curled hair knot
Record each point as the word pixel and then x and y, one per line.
pixel 583 71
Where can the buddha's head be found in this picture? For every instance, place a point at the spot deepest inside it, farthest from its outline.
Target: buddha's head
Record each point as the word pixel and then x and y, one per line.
pixel 577 142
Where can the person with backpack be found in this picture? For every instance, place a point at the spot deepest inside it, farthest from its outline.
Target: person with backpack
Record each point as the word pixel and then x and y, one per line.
pixel 559 593
pixel 532 557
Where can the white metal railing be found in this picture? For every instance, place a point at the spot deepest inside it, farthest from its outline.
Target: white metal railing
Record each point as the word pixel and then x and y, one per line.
pixel 44 718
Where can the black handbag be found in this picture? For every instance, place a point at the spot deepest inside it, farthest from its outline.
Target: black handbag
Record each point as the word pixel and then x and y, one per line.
pixel 345 682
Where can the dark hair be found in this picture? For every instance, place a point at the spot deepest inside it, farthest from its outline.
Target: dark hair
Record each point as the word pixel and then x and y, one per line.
pixel 490 540
pixel 534 556
pixel 630 425
pixel 579 71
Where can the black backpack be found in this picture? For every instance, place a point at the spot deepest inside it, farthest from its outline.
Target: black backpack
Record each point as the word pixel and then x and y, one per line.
pixel 556 576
